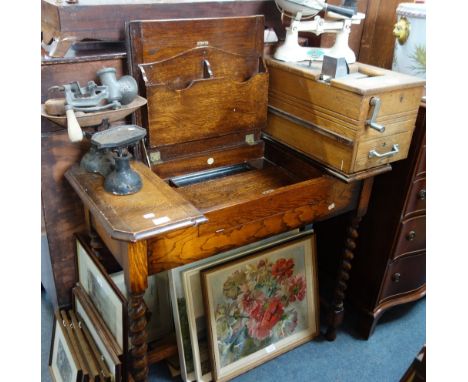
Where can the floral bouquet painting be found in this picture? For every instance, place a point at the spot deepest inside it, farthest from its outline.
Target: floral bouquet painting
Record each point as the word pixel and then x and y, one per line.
pixel 260 303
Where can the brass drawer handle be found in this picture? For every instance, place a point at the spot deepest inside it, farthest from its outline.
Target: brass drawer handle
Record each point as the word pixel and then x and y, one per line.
pixel 411 235
pixel 375 103
pixel 395 149
pixel 422 194
pixel 396 277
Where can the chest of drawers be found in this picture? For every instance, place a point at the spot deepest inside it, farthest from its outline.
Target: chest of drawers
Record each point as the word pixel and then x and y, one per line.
pixel 390 263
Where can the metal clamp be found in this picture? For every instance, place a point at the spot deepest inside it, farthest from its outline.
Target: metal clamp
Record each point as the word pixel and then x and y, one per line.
pixel 375 103
pixel 395 149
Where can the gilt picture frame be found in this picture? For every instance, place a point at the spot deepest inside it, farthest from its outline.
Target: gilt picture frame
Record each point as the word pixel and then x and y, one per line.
pixel 260 306
pixel 63 361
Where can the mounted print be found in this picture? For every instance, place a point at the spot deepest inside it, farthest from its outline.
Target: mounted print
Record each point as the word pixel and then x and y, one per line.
pixel 261 306
pixel 187 305
pixel 63 361
pixel 105 295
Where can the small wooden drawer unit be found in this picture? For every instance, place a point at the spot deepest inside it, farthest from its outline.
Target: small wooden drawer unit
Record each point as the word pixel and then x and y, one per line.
pixel 354 123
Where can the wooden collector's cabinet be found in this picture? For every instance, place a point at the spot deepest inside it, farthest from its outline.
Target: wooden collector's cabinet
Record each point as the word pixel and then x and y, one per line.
pixel 351 124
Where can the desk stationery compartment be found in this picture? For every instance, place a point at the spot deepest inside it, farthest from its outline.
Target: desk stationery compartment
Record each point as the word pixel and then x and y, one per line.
pixel 204 93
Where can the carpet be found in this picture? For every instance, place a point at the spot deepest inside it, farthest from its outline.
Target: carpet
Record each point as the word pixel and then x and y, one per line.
pixel 397 339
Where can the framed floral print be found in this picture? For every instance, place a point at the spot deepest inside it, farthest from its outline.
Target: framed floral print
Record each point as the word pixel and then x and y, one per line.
pixel 261 306
pixel 187 299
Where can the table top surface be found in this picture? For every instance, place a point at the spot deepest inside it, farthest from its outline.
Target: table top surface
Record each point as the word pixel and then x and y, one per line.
pixel 153 210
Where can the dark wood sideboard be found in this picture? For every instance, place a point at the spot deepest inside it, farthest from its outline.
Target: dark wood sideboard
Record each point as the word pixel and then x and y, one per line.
pixel 390 263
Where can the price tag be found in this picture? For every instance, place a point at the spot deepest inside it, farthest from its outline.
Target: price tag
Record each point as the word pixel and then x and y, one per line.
pixel 271 348
pixel 162 220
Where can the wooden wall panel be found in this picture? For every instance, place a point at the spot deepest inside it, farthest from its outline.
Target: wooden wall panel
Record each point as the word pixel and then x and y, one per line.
pixel 63 213
pixel 377 41
pixel 62 209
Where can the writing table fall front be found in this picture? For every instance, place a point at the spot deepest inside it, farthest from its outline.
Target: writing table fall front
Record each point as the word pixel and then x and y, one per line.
pixel 214 180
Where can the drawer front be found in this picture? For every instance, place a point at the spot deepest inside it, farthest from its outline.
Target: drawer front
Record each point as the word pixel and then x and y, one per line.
pixel 404 275
pixel 314 143
pixel 411 236
pixel 382 151
pixel 421 166
pixel 416 202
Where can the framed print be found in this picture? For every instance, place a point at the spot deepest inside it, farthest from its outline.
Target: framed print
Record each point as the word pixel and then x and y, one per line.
pixel 160 322
pixel 105 295
pixel 101 336
pixel 63 362
pixel 187 299
pixel 97 367
pixel 260 306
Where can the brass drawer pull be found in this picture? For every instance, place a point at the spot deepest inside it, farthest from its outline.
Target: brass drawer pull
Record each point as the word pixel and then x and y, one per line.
pixel 375 102
pixel 422 194
pixel 395 149
pixel 411 235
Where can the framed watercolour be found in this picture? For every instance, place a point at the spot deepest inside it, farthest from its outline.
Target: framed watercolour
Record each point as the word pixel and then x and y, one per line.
pixel 63 362
pixel 105 295
pixel 101 336
pixel 187 305
pixel 260 306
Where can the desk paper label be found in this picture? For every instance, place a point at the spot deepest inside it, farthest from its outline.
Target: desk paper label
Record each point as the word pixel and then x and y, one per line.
pixel 161 220
pixel 149 216
pixel 271 348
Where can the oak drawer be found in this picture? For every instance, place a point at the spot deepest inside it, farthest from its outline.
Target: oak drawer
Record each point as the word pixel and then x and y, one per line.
pixel 404 275
pixel 411 236
pixel 416 202
pixel 382 150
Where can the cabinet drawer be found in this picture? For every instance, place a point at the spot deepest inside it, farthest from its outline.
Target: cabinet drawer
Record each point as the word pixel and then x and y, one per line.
pixel 416 202
pixel 404 275
pixel 411 236
pixel 386 149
